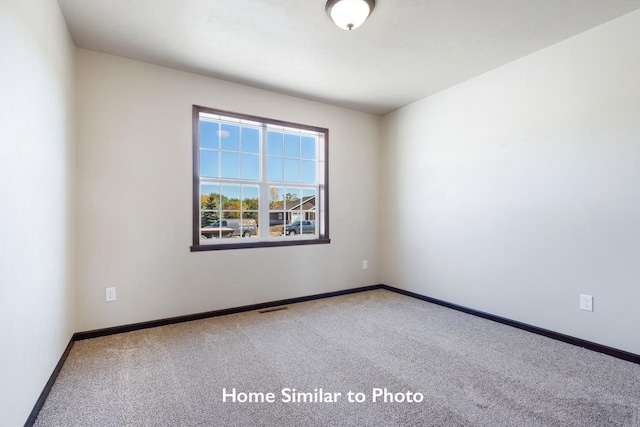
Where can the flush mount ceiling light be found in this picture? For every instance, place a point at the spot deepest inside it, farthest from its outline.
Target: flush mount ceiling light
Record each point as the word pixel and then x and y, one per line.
pixel 349 14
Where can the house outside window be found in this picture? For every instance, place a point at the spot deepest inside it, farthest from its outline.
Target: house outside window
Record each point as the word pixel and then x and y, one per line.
pixel 257 182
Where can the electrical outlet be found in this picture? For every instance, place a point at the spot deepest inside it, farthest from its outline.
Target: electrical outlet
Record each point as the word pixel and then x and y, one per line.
pixel 111 294
pixel 365 264
pixel 586 302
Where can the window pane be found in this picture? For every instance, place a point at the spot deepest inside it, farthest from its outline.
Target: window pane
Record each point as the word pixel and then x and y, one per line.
pixel 308 171
pixel 293 213
pixel 250 140
pixel 210 197
pixel 250 198
pixel 276 214
pixel 292 170
pixel 308 199
pixel 230 165
pixel 309 211
pixel 250 221
pixel 274 144
pixel 274 169
pixel 292 205
pixel 251 215
pixel 301 226
pixel 209 228
pixel 229 225
pixel 209 134
pixel 309 227
pixel 250 167
pixel 292 194
pixel 227 215
pixel 209 163
pixel 230 137
pixel 308 148
pixel 210 210
pixel 276 198
pixel 277 227
pixel 292 146
pixel 231 197
pixel 248 227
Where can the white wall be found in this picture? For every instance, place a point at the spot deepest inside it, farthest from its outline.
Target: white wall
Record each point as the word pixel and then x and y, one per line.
pixel 36 200
pixel 520 189
pixel 134 192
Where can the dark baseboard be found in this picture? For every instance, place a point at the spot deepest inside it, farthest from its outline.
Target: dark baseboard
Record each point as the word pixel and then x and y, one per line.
pixel 78 336
pixel 47 388
pixel 620 354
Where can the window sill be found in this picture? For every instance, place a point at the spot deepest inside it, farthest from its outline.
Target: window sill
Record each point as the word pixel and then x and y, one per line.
pixel 260 244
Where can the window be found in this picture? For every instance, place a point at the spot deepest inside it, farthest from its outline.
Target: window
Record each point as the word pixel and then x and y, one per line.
pixel 257 182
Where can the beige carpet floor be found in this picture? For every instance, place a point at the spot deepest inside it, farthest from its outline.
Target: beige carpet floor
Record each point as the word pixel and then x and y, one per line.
pixel 470 372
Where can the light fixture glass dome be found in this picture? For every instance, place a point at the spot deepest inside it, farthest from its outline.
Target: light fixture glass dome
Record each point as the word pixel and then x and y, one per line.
pixel 349 14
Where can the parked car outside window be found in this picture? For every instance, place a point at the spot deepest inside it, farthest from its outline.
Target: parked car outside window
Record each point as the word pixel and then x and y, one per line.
pixel 301 227
pixel 230 228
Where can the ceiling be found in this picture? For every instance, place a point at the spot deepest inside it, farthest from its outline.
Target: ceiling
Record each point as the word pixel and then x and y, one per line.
pixel 407 49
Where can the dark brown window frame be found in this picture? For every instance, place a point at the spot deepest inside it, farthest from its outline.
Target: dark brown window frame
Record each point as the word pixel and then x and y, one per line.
pixel 323 232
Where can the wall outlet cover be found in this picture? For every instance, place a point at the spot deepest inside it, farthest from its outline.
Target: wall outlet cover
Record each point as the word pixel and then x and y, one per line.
pixel 586 302
pixel 111 294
